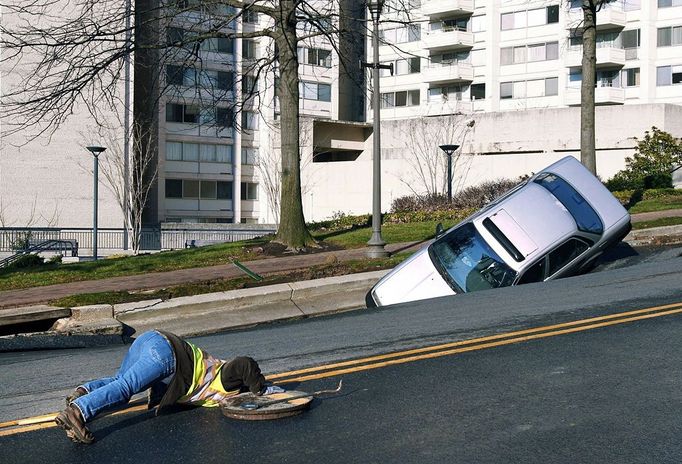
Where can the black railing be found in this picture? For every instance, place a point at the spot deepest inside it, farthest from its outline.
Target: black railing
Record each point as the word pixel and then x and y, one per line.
pixel 15 239
pixel 59 246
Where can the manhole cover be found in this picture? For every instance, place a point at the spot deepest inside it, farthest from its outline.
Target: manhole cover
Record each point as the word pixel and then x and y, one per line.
pixel 248 406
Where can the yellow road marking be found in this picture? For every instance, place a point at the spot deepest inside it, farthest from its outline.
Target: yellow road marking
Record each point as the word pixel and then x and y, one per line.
pixel 402 357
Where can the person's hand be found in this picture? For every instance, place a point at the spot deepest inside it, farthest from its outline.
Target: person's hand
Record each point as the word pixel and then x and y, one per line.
pixel 273 389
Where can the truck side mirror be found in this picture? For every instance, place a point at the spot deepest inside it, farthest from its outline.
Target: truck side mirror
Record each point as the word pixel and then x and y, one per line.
pixel 439 229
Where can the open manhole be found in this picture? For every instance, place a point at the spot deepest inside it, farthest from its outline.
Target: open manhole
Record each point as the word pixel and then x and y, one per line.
pixel 248 406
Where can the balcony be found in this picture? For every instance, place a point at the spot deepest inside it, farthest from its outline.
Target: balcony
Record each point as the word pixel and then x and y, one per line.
pixel 441 8
pixel 607 57
pixel 448 39
pixel 603 95
pixel 442 73
pixel 610 17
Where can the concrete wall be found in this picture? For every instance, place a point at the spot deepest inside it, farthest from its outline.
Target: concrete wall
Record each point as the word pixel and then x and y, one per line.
pixel 499 145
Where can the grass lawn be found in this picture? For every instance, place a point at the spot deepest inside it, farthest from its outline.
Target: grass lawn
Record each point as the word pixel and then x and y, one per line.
pixel 657 204
pixel 49 274
pixel 668 221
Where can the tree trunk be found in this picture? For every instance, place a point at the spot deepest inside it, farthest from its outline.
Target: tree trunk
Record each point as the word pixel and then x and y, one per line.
pixel 292 230
pixel 589 71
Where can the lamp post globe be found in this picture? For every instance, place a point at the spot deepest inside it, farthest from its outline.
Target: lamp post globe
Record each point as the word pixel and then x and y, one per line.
pixel 96 151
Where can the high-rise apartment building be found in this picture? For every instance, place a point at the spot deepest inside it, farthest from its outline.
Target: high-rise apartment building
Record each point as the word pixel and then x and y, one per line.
pixel 500 78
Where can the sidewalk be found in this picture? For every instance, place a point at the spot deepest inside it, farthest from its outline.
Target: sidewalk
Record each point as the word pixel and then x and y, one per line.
pixel 156 280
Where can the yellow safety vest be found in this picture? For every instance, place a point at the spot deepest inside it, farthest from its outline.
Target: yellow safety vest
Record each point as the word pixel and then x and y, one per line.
pixel 206 390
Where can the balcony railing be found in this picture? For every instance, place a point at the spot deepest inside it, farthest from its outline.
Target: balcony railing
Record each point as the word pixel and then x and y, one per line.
pixel 456 71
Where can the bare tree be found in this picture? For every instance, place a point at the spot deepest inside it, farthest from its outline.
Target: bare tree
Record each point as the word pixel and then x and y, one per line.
pixel 142 176
pixel 427 161
pixel 72 52
pixel 269 164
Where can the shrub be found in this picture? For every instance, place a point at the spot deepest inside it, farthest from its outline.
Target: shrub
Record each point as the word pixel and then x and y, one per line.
pixel 474 197
pixel 27 261
pixel 340 221
pixel 428 202
pixel 478 196
pixel 658 180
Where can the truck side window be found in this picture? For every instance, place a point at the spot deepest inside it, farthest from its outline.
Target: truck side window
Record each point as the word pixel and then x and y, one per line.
pixel 565 253
pixel 535 273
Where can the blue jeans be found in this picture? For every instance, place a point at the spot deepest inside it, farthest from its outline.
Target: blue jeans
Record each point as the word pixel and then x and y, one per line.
pixel 149 360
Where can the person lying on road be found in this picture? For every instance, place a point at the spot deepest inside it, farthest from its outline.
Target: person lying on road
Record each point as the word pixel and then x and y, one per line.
pixel 174 371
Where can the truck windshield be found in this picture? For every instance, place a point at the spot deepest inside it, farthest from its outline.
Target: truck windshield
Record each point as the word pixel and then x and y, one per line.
pixel 467 262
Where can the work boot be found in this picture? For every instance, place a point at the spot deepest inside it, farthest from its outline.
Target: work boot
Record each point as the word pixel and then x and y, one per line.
pixel 73 424
pixel 77 393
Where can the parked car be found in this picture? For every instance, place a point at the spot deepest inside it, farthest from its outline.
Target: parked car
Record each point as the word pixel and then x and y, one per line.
pixel 555 224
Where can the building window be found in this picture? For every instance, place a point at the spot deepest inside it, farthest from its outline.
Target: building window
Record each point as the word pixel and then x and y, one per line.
pixel 402 67
pixel 189 40
pixel 669 36
pixel 452 92
pixel 315 91
pixel 400 99
pixel 449 25
pixel 223 190
pixel 173 188
pixel 478 24
pixel 477 91
pixel 529 53
pixel 193 189
pixel 529 18
pixel 249 191
pixel 187 151
pixel 668 75
pixel 249 16
pixel 669 3
pixel 224 117
pixel 248 49
pixel 529 89
pixel 404 34
pixel 190 189
pixel 249 120
pixel 315 57
pixel 182 113
pixel 249 156
pixel 631 77
pixel 249 86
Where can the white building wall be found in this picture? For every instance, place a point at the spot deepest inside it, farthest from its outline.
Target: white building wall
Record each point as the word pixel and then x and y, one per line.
pixel 48 181
pixel 499 145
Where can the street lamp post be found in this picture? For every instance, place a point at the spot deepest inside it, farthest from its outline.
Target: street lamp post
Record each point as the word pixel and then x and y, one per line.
pixel 96 151
pixel 376 243
pixel 449 150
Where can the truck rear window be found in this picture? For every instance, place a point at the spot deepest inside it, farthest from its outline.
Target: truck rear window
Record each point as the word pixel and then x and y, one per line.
pixel 585 216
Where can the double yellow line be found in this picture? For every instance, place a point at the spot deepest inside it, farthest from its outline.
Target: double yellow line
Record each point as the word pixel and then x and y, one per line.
pixel 402 357
pixel 447 349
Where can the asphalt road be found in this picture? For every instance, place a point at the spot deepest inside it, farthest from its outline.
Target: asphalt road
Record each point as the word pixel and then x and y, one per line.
pixel 596 396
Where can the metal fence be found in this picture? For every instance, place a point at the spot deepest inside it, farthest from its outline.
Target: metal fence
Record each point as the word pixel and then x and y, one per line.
pixel 159 238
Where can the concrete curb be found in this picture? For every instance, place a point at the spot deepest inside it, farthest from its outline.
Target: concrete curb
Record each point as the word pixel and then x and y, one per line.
pixel 666 235
pixel 200 314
